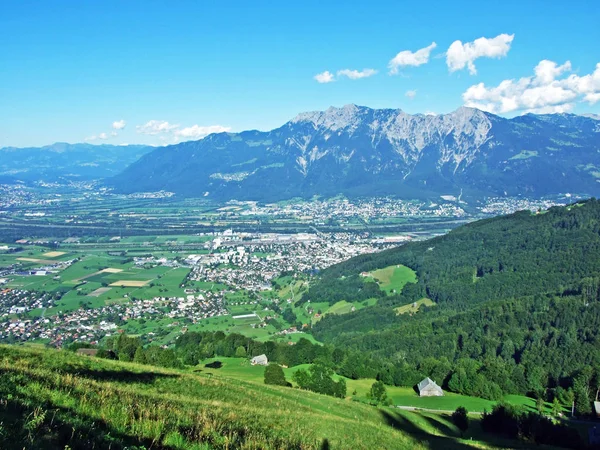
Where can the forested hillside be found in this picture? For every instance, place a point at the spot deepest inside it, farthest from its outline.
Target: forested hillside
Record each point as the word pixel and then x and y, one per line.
pixel 516 309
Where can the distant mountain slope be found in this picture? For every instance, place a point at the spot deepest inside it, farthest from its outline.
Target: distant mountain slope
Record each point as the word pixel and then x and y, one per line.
pixel 74 161
pixel 357 151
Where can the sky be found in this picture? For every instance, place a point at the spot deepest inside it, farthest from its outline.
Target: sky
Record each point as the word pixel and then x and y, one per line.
pixel 161 72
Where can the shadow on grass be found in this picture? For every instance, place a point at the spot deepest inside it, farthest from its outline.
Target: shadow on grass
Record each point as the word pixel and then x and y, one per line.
pixel 441 426
pixel 400 423
pixel 118 376
pixel 27 427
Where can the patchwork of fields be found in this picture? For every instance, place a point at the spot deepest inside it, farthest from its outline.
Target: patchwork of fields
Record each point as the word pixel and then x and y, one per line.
pixel 94 279
pixel 90 275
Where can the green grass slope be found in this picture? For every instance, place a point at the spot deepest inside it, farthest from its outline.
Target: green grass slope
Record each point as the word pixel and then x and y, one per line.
pixel 56 400
pixel 392 279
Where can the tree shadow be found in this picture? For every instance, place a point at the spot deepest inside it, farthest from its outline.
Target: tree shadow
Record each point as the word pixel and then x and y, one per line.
pixel 214 365
pixel 433 442
pixel 121 376
pixel 442 427
pixel 401 423
pixel 60 427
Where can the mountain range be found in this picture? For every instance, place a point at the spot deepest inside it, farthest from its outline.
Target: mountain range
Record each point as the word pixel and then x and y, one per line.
pixel 67 161
pixel 353 150
pixel 359 151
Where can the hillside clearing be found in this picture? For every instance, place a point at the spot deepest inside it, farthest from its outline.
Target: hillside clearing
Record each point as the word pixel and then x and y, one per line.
pixel 412 308
pixel 393 278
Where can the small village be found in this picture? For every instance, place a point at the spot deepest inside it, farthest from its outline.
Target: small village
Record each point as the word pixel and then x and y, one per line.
pixel 251 263
pixel 91 325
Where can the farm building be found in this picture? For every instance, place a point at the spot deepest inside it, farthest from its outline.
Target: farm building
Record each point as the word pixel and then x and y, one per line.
pixel 260 360
pixel 429 388
pixel 87 351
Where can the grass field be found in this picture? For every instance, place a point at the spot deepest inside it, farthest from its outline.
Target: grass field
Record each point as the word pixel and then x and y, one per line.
pixel 392 279
pixel 412 308
pixel 99 279
pixel 241 369
pixel 54 399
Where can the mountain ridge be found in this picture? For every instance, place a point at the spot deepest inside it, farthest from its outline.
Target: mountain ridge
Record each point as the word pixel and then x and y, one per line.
pixel 359 151
pixel 62 160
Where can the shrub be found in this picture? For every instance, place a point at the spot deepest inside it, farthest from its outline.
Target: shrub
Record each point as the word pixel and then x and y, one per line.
pixel 460 418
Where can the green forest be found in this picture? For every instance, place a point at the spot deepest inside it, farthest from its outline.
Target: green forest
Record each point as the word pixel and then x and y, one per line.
pixel 516 312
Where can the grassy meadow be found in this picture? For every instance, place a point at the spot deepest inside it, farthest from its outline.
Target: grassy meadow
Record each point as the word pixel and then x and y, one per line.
pixel 53 399
pixel 241 369
pixel 412 308
pixel 393 278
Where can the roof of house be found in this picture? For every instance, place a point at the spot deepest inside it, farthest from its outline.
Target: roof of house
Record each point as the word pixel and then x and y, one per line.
pixel 427 382
pixel 87 351
pixel 260 358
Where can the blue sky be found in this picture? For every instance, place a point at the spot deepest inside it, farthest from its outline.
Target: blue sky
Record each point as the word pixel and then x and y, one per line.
pixel 161 72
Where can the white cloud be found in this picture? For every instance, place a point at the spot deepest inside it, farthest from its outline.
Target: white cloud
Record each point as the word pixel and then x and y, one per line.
pixel 198 132
pixel 592 98
pixel 154 127
pixel 408 58
pixel 411 94
pixel 96 137
pixel 324 77
pixel 114 133
pixel 173 132
pixel 430 113
pixel 460 55
pixel 547 71
pixel 356 74
pixel 544 92
pixel 119 124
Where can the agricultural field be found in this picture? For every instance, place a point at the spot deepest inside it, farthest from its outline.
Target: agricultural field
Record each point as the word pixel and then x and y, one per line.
pixel 96 280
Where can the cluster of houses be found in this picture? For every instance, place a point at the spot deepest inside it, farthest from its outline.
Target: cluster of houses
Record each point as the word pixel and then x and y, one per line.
pixel 507 205
pixel 19 301
pixel 89 325
pixel 47 268
pixel 372 208
pixel 252 263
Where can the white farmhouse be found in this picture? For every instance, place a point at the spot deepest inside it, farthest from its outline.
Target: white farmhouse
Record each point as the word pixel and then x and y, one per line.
pixel 429 388
pixel 260 360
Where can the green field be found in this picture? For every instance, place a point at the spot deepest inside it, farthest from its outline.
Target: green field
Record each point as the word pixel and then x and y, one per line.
pixel 412 308
pixel 393 278
pixel 95 279
pixel 55 399
pixel 241 369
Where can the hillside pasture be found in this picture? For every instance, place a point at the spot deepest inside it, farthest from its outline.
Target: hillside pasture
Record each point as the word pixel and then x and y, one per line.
pixel 241 369
pixel 412 308
pixel 56 400
pixel 393 278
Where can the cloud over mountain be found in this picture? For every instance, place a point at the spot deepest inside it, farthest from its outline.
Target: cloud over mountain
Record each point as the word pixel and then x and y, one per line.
pixel 461 55
pixel 408 58
pixel 544 92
